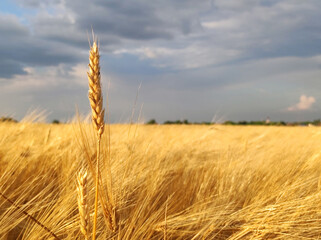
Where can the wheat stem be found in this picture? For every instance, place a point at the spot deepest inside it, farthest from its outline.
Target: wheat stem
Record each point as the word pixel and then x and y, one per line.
pixel 97 187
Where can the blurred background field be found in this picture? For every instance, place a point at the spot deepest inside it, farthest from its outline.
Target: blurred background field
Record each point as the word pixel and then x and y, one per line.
pixel 169 181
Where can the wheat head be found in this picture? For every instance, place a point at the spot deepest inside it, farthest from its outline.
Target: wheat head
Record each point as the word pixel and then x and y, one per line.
pixel 95 94
pixel 82 203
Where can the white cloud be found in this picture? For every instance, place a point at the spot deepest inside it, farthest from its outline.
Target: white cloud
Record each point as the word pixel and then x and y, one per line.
pixel 304 104
pixel 41 78
pixel 190 57
pixel 146 52
pixel 222 24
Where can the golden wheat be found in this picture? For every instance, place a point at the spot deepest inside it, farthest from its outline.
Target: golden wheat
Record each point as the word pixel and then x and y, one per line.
pixel 95 94
pixel 219 182
pixel 83 203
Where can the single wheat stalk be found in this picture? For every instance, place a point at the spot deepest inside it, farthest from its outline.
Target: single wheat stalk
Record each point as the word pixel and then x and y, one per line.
pixel 82 203
pixel 96 103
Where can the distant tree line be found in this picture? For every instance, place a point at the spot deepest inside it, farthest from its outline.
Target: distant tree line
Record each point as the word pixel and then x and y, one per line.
pixel 8 119
pixel 179 122
pixel 243 123
pixel 12 120
pixel 279 123
pixel 256 123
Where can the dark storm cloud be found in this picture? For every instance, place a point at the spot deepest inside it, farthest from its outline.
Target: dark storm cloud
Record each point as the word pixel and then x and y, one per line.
pixel 139 20
pixel 10 30
pixel 129 20
pixel 57 31
pixel 19 48
pixel 259 30
pixel 251 28
pixel 10 68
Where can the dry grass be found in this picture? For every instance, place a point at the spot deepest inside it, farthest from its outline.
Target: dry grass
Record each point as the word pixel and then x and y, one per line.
pixel 173 182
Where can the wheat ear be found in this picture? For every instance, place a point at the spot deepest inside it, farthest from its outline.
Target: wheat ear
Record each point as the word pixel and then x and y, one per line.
pixel 95 95
pixel 82 203
pixel 96 103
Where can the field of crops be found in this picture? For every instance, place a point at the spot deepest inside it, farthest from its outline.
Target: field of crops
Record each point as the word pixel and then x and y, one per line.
pixel 166 182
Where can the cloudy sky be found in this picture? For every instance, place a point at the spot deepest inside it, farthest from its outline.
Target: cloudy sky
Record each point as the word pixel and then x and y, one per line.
pixel 196 59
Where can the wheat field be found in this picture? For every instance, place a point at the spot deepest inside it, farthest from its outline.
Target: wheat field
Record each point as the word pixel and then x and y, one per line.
pixel 168 181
